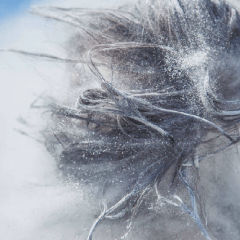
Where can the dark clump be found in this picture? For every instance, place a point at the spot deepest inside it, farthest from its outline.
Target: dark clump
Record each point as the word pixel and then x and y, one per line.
pixel 160 103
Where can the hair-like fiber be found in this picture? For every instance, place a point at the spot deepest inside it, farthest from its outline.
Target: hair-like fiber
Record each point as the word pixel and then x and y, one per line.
pixel 167 89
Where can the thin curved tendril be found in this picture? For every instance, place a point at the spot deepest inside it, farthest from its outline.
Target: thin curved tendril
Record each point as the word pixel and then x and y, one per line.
pixel 194 213
pixel 42 55
pixel 63 20
pixel 111 89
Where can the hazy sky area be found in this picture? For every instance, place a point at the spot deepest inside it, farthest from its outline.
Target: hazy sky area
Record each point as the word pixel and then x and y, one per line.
pixel 9 8
pixel 32 200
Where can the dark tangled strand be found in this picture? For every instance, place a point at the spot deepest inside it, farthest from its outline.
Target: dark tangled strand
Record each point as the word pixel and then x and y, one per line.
pixel 159 99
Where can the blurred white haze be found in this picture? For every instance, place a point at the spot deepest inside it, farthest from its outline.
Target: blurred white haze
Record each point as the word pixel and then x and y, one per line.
pixel 33 204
